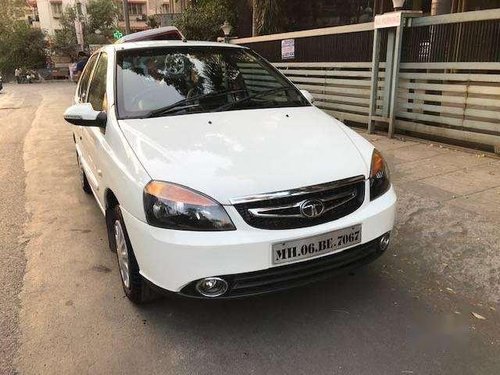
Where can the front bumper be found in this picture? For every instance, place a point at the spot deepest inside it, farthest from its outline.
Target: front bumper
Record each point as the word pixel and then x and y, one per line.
pixel 173 260
pixel 296 274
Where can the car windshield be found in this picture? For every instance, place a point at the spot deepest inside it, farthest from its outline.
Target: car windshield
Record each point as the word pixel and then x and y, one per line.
pixel 167 81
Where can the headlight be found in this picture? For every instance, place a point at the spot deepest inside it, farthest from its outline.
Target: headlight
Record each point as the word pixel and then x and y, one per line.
pixel 173 206
pixel 379 176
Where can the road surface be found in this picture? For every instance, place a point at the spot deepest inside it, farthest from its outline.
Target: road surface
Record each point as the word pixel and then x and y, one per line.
pixel 410 312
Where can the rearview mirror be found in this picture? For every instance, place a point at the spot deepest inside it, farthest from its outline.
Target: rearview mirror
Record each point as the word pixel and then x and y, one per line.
pixel 83 114
pixel 308 96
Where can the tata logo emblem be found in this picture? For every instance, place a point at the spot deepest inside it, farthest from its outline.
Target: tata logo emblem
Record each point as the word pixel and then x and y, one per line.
pixel 312 208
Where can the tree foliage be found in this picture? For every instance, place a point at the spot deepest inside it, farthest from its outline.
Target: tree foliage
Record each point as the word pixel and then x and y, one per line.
pixel 10 10
pixel 101 17
pixel 203 19
pixel 270 16
pixel 64 41
pixel 21 46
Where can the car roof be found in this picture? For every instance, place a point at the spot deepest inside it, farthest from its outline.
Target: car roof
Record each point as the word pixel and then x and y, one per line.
pixel 168 43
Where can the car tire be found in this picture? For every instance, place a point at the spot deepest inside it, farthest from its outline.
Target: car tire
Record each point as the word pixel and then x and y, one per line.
pixel 134 285
pixel 84 182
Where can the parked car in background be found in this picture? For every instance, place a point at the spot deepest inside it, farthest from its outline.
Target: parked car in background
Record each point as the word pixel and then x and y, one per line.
pixel 160 33
pixel 218 178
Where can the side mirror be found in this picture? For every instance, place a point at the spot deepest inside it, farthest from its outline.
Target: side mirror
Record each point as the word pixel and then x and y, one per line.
pixel 83 114
pixel 308 96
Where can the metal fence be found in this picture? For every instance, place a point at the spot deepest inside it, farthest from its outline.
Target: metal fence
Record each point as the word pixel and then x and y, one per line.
pixel 332 44
pixel 448 86
pixel 469 41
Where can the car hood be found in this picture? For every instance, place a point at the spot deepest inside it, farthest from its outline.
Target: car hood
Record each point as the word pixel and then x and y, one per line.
pixel 238 153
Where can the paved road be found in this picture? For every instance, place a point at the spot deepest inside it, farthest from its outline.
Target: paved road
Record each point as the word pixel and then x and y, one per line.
pixel 16 107
pixel 408 313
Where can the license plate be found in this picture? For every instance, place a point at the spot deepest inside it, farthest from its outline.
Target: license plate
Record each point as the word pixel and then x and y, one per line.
pixel 303 248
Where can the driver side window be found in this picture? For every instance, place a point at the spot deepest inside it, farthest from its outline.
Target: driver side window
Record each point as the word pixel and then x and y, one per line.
pixel 84 80
pixel 97 88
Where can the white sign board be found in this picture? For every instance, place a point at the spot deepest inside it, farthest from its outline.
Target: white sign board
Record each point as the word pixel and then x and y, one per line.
pixel 392 19
pixel 287 49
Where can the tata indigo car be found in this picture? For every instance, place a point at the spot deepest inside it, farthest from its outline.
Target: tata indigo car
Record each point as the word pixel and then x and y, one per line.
pixel 217 176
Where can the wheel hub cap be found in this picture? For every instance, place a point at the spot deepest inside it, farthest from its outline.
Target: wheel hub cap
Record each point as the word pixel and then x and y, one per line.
pixel 122 253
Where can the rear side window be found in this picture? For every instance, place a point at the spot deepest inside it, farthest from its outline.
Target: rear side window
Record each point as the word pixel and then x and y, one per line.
pixel 97 88
pixel 84 81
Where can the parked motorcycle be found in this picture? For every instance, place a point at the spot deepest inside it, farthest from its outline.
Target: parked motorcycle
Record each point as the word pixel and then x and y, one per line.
pixel 30 77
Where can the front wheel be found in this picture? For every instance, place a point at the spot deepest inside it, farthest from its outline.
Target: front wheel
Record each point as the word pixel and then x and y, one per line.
pixel 133 284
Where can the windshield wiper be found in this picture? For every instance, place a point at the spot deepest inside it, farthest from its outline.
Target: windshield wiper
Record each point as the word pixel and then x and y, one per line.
pixel 180 105
pixel 254 96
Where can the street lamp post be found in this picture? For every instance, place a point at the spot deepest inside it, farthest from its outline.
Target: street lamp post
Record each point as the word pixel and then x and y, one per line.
pixel 398 4
pixel 226 29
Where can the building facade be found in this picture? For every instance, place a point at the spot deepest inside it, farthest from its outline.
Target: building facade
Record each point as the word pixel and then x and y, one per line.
pixel 50 11
pixel 164 11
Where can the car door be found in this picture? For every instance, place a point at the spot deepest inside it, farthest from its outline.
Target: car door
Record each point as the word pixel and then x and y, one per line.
pixel 81 97
pixel 93 137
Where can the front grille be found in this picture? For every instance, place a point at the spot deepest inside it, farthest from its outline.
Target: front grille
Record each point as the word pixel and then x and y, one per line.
pixel 296 274
pixel 339 199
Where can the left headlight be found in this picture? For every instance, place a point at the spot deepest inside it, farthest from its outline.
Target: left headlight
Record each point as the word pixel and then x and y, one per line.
pixel 379 176
pixel 173 206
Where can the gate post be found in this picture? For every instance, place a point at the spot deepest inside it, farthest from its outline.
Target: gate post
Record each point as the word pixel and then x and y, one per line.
pixel 374 81
pixel 395 23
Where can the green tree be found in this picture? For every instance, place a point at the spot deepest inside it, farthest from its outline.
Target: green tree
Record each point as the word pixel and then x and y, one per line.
pixel 21 46
pixel 102 16
pixel 64 41
pixel 269 16
pixel 203 19
pixel 98 26
pixel 11 10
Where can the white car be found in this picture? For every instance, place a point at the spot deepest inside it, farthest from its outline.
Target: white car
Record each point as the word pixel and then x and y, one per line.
pixel 218 177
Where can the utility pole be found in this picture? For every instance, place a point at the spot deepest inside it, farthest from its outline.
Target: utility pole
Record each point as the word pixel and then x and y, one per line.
pixel 125 16
pixel 78 26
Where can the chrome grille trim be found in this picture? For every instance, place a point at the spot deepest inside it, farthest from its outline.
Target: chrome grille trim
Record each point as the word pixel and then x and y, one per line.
pixel 298 191
pixel 266 212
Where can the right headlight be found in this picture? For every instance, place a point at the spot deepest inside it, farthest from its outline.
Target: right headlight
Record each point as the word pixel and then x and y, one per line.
pixel 379 176
pixel 173 206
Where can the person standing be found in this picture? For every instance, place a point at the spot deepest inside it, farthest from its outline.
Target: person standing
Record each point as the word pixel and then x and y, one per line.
pixel 82 61
pixel 17 73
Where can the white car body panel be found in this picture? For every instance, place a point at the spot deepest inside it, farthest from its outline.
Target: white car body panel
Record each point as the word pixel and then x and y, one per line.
pixel 171 259
pixel 238 153
pixel 225 155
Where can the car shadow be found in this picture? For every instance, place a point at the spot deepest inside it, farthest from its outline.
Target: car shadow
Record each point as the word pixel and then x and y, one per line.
pixel 367 315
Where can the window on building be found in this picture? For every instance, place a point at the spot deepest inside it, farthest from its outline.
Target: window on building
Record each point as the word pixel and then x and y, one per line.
pixel 165 8
pixel 136 9
pixel 57 9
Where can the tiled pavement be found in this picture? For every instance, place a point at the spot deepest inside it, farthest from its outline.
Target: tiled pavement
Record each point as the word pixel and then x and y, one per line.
pixel 448 220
